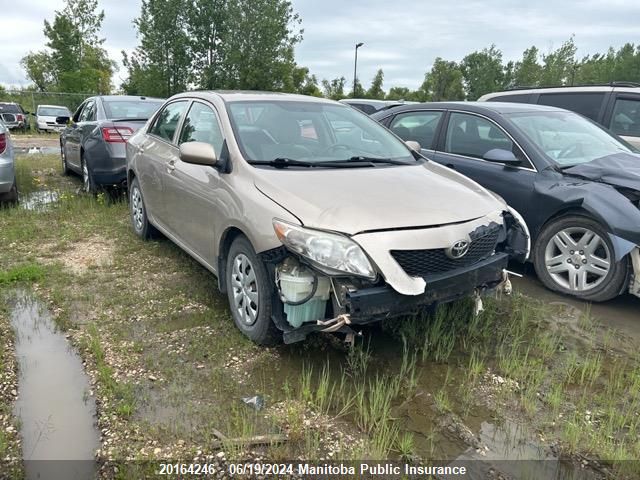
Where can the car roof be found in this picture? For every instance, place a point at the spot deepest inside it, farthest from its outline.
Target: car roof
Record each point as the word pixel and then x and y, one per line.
pixel 53 106
pixel 116 98
pixel 618 87
pixel 477 107
pixel 255 96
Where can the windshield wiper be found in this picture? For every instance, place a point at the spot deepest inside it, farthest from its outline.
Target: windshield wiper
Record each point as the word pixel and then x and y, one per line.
pixel 367 160
pixel 283 162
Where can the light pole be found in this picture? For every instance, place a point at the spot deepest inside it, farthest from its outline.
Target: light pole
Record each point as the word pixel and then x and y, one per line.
pixel 355 68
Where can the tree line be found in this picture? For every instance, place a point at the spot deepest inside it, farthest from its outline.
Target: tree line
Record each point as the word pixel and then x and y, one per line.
pixel 249 44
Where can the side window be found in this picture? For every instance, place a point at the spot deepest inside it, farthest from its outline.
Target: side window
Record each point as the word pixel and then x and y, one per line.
pixel 417 126
pixel 625 119
pixel 474 136
pixel 166 123
pixel 201 125
pixel 76 116
pixel 587 104
pixel 88 112
pixel 512 98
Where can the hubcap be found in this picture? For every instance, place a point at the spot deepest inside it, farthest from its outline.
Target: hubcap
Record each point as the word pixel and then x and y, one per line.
pixel 137 209
pixel 245 289
pixel 85 177
pixel 577 259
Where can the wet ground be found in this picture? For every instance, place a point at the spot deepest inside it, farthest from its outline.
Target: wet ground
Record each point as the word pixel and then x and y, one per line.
pixel 55 406
pixel 622 313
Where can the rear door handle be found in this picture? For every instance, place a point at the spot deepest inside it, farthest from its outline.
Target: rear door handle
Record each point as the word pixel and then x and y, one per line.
pixel 171 166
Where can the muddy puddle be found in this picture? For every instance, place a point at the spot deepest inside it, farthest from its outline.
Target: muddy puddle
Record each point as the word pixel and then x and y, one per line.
pixel 621 313
pixel 56 411
pixel 37 150
pixel 39 200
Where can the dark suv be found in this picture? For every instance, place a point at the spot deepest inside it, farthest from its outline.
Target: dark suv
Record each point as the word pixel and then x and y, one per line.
pixel 615 106
pixel 14 116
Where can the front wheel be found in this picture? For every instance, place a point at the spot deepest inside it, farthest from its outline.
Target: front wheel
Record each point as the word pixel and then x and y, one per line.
pixel 141 225
pixel 63 156
pixel 574 255
pixel 249 292
pixel 88 185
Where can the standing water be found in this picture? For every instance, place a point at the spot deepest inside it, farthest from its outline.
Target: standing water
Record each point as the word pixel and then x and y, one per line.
pixel 57 414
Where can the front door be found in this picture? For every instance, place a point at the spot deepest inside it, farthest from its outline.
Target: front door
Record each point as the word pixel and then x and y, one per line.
pixel 467 139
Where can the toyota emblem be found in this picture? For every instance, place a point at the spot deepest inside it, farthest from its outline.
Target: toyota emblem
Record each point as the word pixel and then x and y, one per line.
pixel 458 249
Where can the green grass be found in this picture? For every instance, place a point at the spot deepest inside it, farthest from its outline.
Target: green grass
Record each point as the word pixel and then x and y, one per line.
pixel 30 272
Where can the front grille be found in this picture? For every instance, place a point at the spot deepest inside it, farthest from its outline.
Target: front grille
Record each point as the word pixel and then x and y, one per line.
pixel 421 263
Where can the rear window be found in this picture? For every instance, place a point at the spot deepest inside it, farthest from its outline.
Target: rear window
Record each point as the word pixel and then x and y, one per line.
pixel 53 112
pixel 132 109
pixel 9 108
pixel 587 104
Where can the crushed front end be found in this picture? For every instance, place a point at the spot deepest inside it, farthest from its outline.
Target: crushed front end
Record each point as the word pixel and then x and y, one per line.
pixel 324 281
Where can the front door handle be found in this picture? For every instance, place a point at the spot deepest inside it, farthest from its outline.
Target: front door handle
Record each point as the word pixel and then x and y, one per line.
pixel 171 166
pixel 451 166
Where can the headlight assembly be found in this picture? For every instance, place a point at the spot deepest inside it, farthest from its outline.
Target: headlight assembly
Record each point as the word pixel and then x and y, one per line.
pixel 329 252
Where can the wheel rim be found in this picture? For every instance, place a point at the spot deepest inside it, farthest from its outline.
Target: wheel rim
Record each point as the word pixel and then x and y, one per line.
pixel 64 159
pixel 85 177
pixel 137 209
pixel 577 259
pixel 245 289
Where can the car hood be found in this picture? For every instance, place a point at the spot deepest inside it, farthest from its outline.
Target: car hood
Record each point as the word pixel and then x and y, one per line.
pixel 360 200
pixel 618 170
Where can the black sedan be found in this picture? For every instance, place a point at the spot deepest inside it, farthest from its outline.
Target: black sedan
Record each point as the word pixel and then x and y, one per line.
pixel 576 185
pixel 92 144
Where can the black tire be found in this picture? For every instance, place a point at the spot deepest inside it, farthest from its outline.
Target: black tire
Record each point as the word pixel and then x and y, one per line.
pixel 63 157
pixel 138 210
pixel 11 197
pixel 261 330
pixel 605 286
pixel 88 184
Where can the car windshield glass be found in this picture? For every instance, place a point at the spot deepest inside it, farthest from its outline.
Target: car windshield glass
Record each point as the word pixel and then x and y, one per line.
pixel 53 112
pixel 567 138
pixel 312 132
pixel 9 108
pixel 138 109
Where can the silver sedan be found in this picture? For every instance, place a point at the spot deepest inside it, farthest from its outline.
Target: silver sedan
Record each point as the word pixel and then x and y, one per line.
pixel 8 184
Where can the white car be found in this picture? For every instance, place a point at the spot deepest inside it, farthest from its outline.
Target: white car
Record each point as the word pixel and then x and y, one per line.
pixel 46 117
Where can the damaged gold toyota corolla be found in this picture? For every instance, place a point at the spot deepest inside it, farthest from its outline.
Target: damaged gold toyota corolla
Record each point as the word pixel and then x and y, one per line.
pixel 313 216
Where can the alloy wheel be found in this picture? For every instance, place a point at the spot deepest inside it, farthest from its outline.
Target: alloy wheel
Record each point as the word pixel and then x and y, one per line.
pixel 86 183
pixel 577 259
pixel 245 289
pixel 137 209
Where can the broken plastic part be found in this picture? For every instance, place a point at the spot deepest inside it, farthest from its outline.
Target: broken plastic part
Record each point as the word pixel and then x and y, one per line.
pixel 478 306
pixel 335 324
pixel 256 402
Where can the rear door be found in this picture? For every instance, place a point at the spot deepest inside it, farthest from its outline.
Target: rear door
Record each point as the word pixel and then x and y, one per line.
pixel 467 138
pixel 624 117
pixel 193 192
pixel 158 158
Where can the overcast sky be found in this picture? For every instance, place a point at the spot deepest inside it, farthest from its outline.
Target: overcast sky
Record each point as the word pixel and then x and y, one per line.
pixel 402 37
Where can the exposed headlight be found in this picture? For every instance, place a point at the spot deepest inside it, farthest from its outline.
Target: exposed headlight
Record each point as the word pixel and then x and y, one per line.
pixel 329 252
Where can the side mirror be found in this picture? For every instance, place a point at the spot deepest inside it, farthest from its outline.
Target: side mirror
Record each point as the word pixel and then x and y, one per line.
pixel 500 155
pixel 198 153
pixel 62 120
pixel 413 145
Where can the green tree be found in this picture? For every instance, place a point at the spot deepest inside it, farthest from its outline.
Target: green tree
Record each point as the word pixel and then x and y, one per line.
pixel 375 90
pixel 357 90
pixel 527 72
pixel 443 82
pixel 483 72
pixel 260 46
pixel 334 89
pixel 398 93
pixel 161 65
pixel 75 61
pixel 303 82
pixel 559 66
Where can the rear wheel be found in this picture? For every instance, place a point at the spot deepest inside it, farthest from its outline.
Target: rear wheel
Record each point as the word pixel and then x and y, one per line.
pixel 11 196
pixel 63 156
pixel 574 255
pixel 88 185
pixel 249 292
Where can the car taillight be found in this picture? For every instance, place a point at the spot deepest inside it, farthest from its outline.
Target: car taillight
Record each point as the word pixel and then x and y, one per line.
pixel 19 117
pixel 3 142
pixel 116 134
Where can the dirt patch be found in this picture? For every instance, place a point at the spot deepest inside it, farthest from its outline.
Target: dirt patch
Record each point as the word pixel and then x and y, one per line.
pixel 37 141
pixel 95 252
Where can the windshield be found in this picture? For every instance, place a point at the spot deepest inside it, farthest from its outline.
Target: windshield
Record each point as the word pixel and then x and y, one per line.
pixel 567 138
pixel 53 112
pixel 311 132
pixel 138 109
